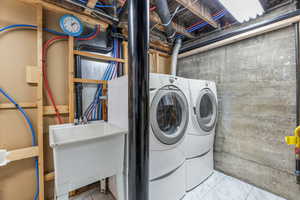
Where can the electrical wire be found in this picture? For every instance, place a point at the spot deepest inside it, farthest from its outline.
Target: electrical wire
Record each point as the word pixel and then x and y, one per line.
pixel 33 135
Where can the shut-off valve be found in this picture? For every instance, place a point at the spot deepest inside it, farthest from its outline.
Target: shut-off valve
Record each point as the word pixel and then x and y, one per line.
pixel 295 140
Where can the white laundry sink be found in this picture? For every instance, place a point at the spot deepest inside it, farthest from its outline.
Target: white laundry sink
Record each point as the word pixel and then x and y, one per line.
pixel 84 154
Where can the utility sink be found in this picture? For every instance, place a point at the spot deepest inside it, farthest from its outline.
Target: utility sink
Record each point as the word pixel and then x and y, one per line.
pixel 84 154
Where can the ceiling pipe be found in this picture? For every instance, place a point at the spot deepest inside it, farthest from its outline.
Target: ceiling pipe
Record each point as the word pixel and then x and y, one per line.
pixel 138 100
pixel 163 11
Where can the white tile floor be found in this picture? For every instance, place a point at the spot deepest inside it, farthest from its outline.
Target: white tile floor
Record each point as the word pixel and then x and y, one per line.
pixel 222 187
pixel 217 187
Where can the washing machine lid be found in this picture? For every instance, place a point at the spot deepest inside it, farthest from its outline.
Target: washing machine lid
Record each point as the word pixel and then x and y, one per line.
pixel 169 115
pixel 206 110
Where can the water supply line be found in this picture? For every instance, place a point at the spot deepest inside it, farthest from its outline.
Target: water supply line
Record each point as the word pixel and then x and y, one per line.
pixel 176 49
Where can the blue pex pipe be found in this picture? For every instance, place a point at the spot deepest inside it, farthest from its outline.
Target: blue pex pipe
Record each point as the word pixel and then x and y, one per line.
pixel 33 134
pixel 205 23
pixel 27 26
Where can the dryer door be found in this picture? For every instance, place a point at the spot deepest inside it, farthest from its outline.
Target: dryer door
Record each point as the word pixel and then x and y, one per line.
pixel 206 110
pixel 169 115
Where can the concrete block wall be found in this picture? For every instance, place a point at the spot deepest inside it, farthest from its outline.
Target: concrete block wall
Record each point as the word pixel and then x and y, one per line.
pixel 256 81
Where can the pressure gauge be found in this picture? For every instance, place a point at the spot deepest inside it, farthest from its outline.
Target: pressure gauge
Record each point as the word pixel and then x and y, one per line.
pixel 71 25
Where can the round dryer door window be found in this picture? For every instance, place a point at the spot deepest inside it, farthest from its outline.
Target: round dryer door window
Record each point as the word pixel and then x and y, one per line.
pixel 169 115
pixel 206 110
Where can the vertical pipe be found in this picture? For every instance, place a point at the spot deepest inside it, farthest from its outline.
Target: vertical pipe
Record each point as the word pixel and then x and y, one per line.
pixel 138 100
pixel 174 59
pixel 297 43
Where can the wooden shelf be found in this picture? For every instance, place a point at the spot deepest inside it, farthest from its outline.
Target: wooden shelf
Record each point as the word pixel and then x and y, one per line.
pixel 88 81
pixel 99 57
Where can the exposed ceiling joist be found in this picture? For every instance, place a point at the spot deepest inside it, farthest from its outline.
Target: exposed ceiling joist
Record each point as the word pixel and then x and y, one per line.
pixel 198 9
pixel 91 4
pixel 178 28
pixel 59 9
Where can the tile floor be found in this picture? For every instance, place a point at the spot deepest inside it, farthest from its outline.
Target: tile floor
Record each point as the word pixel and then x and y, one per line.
pixel 222 187
pixel 217 187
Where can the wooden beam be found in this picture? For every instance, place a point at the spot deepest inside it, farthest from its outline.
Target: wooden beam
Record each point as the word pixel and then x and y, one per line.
pixel 157 69
pixel 91 4
pixel 12 106
pixel 125 52
pixel 100 57
pixel 70 78
pixel 243 36
pixel 178 28
pixel 91 81
pixel 159 53
pixel 58 9
pixel 200 10
pixel 49 110
pixel 158 45
pixel 20 154
pixel 40 128
pixel 49 176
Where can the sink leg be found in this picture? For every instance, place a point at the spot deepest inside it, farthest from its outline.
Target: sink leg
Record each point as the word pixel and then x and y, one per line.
pixel 120 187
pixel 63 197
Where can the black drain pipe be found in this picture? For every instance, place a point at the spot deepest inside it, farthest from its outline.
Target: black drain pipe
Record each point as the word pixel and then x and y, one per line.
pixel 297 150
pixel 138 100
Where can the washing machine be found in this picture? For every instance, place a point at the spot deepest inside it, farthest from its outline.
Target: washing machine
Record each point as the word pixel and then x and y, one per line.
pixel 169 118
pixel 201 132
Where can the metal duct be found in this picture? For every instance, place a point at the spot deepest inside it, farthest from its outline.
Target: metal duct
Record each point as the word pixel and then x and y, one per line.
pixel 165 16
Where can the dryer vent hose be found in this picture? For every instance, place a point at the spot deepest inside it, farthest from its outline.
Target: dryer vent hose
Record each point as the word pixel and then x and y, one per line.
pixel 176 48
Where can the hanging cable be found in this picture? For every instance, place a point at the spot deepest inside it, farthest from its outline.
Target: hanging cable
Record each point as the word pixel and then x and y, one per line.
pixel 33 135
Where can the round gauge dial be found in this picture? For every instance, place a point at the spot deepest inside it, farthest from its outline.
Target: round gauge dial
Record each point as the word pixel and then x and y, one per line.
pixel 71 25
